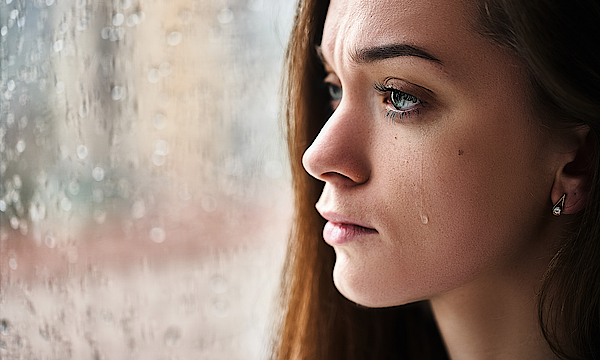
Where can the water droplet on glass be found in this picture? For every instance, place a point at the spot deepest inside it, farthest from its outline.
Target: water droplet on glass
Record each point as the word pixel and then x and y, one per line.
pixel 138 210
pixel 100 216
pixel 118 19
pixel 11 85
pixel 14 222
pixel 23 122
pixel 125 4
pixel 153 76
pixel 82 152
pixel 20 146
pixel 208 203
pixel 424 219
pixel 4 31
pixel 83 110
pixel 49 2
pixel 17 181
pixel 65 204
pixel 157 235
pixel 117 93
pixel 60 87
pixel 21 21
pixel 58 45
pixel 220 308
pixel 8 2
pixel 14 14
pixel 4 327
pixel 105 33
pixel 159 121
pixel 172 336
pixel 158 160
pixel 165 69
pixel 218 284
pixel 74 187
pixel 12 263
pixel 225 16
pixel 98 173
pixel 2 205
pixel 161 147
pixel 132 20
pixel 63 28
pixel 185 17
pixel 174 38
pixel 50 241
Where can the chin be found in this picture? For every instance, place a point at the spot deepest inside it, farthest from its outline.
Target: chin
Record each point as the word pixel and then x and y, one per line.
pixel 366 290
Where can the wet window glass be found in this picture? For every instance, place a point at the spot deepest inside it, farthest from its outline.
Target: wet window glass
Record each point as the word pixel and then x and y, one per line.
pixel 144 189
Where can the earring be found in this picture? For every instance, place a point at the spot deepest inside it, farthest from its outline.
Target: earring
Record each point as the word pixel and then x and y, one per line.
pixel 558 207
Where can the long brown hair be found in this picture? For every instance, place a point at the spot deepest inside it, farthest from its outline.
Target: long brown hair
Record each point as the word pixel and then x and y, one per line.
pixel 554 40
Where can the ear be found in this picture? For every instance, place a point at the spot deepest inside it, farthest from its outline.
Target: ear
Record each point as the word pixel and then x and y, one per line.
pixel 574 176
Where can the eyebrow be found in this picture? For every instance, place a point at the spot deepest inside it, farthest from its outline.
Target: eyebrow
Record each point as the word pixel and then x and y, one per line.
pixel 379 53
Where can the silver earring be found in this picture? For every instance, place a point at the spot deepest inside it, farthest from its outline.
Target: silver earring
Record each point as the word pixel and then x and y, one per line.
pixel 558 207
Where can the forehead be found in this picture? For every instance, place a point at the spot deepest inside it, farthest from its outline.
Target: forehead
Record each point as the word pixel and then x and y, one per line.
pixel 443 26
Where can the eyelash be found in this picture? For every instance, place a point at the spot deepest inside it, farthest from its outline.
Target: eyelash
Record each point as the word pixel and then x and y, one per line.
pixel 396 115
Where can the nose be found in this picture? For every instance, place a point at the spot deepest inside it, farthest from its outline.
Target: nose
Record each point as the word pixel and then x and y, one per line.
pixel 340 153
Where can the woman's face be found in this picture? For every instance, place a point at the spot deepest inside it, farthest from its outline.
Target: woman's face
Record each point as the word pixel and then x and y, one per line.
pixel 437 175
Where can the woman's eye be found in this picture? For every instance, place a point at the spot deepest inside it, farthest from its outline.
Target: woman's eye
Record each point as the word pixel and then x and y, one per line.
pixel 402 101
pixel 335 92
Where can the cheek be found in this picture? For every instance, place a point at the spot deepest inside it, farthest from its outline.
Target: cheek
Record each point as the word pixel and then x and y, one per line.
pixel 449 211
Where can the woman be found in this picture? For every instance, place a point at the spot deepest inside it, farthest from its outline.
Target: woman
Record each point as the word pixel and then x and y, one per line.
pixel 451 148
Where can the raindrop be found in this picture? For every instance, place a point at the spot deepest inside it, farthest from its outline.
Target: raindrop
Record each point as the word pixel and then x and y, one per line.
pixel 225 16
pixel 4 31
pixel 208 203
pixel 157 235
pixel 20 146
pixel 60 87
pixel 273 169
pixel 58 45
pixel 118 19
pixel 14 14
pixel 161 147
pixel 153 76
pixel 100 216
pixel 174 38
pixel 125 4
pixel 4 327
pixel 82 152
pixel 63 28
pixel 14 223
pixel 218 284
pixel 141 16
pixel 105 33
pixel 2 205
pixel 49 2
pixel 65 204
pixel 74 187
pixel 21 21
pixel 8 2
pixel 98 173
pixel 17 181
pixel 117 93
pixel 158 159
pixel 132 20
pixel 165 69
pixel 12 263
pixel 172 336
pixel 138 210
pixel 221 308
pixel 50 241
pixel 159 121
pixel 185 17
pixel 117 34
pixel 11 85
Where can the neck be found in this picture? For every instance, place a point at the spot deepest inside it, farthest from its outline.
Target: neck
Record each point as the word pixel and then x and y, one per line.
pixel 495 315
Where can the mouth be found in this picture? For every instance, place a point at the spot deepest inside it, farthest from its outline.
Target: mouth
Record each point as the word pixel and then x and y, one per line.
pixel 339 230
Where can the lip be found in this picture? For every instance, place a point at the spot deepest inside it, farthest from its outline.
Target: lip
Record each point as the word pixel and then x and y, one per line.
pixel 341 230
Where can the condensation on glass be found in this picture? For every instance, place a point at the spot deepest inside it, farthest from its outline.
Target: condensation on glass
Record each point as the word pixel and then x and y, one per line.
pixel 144 197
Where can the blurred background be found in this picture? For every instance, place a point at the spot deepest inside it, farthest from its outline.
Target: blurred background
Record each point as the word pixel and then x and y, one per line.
pixel 144 186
